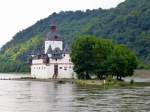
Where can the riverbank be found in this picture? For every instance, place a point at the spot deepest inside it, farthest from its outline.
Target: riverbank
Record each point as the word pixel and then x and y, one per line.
pixel 29 78
pixel 107 84
pixel 142 73
pixel 140 77
pixel 110 84
pixel 61 81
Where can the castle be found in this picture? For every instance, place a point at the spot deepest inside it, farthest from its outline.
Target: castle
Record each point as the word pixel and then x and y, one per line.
pixel 55 62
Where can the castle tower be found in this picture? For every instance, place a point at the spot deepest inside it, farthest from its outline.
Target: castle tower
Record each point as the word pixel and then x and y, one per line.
pixel 53 40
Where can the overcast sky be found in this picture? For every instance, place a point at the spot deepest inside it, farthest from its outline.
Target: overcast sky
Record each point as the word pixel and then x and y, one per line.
pixel 16 15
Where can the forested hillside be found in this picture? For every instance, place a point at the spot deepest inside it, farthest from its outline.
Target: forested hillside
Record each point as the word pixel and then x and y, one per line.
pixel 128 24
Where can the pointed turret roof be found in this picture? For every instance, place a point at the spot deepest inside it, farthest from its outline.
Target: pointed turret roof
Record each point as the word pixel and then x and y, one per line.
pixel 49 51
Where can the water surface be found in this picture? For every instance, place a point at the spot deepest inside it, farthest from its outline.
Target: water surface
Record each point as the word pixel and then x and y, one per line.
pixel 34 96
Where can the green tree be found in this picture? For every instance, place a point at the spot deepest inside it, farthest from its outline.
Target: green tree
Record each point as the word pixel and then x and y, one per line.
pixel 101 51
pixel 82 56
pixel 122 62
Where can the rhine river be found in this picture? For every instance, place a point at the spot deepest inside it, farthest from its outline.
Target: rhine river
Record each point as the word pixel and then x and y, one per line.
pixel 35 96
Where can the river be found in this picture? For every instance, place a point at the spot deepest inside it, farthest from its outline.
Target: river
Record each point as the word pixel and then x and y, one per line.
pixel 35 96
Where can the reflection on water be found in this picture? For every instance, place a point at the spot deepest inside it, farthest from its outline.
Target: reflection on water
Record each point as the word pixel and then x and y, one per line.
pixel 27 96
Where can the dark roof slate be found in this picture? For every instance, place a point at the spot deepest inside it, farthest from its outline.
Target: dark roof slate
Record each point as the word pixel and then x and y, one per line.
pixel 57 53
pixel 49 51
pixel 53 36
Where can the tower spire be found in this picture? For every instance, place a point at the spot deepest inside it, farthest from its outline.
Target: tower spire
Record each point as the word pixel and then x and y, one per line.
pixel 53 27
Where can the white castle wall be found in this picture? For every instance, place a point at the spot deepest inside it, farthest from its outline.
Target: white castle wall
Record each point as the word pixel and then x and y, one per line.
pixel 65 71
pixel 42 71
pixel 45 72
pixel 65 68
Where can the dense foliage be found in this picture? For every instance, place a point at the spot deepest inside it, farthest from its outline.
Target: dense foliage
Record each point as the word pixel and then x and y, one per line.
pixel 127 24
pixel 82 56
pixel 93 56
pixel 122 62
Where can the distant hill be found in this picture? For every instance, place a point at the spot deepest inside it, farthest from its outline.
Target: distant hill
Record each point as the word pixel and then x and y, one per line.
pixel 128 24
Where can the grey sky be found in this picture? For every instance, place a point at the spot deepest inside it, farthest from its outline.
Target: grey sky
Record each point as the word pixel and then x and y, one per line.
pixel 20 14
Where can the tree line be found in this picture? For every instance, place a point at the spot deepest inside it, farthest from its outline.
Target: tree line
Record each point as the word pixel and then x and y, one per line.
pixel 100 57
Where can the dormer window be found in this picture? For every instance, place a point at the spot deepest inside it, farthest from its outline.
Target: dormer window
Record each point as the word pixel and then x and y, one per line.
pixel 56 37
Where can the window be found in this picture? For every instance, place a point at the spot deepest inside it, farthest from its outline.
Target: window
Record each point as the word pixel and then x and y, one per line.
pixel 60 67
pixel 56 37
pixel 65 68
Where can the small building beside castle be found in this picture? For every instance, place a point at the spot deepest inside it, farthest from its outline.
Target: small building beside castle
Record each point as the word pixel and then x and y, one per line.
pixel 55 62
